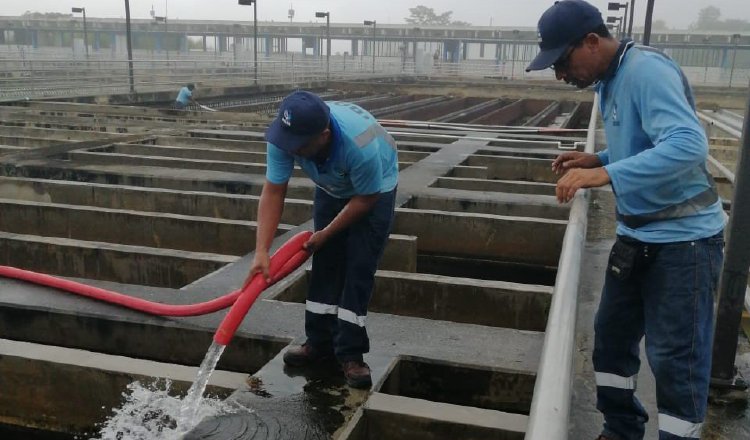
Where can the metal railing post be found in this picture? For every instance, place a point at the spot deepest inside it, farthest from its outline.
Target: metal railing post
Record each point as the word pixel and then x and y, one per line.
pixel 255 40
pixel 374 34
pixel 130 48
pixel 647 25
pixel 630 23
pixel 85 34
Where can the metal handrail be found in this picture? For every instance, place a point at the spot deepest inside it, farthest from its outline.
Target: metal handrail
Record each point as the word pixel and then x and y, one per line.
pixel 550 406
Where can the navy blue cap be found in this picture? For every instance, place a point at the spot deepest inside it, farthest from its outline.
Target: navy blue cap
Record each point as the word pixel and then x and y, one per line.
pixel 563 24
pixel 302 116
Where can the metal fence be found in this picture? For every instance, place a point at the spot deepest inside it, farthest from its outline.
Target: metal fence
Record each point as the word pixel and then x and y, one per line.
pixel 45 72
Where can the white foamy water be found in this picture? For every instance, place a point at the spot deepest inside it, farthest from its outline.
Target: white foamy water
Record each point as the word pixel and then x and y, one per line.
pixel 150 413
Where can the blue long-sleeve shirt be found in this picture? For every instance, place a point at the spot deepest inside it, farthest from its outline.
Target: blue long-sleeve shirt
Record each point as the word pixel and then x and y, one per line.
pixel 184 96
pixel 656 147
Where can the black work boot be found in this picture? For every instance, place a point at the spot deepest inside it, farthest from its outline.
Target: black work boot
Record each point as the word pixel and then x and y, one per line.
pixel 303 355
pixel 357 374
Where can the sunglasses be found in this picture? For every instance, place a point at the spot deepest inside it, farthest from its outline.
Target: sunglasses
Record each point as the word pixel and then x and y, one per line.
pixel 563 62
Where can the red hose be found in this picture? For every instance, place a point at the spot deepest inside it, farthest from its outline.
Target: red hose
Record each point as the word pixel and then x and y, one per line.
pixel 130 302
pixel 280 267
pixel 285 260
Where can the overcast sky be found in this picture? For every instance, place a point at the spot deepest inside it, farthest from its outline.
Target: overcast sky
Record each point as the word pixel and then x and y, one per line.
pixel 522 13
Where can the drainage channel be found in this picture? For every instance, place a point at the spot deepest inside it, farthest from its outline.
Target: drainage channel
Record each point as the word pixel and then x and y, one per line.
pixel 457 324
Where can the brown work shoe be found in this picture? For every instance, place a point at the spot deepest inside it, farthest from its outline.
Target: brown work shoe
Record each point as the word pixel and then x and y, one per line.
pixel 303 355
pixel 357 374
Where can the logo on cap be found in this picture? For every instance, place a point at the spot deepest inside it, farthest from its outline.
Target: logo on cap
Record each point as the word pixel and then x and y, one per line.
pixel 286 119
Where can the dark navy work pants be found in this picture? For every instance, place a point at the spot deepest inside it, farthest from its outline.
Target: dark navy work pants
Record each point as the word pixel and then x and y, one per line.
pixel 669 299
pixel 343 275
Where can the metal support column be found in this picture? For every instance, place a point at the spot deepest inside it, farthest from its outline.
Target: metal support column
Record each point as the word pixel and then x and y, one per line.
pixel 374 34
pixel 630 23
pixel 85 34
pixel 328 48
pixel 255 42
pixel 647 26
pixel 733 282
pixel 130 48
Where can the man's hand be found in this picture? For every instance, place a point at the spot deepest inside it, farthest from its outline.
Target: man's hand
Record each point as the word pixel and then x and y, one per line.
pixel 575 179
pixel 575 159
pixel 316 241
pixel 260 264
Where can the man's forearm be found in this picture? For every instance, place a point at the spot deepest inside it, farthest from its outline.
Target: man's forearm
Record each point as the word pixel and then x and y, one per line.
pixel 270 207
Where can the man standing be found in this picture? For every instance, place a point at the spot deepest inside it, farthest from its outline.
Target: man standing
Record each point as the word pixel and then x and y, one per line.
pixel 185 97
pixel 354 164
pixel 664 266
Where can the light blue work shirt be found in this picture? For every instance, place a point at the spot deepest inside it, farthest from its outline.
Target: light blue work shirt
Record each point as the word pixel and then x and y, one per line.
pixel 362 161
pixel 184 96
pixel 656 147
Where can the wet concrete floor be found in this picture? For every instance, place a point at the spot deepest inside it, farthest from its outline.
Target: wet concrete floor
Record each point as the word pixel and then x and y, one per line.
pixel 289 403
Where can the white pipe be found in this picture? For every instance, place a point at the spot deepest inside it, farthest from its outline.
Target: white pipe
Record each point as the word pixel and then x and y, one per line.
pixel 729 175
pixel 555 144
pixel 721 125
pixel 476 128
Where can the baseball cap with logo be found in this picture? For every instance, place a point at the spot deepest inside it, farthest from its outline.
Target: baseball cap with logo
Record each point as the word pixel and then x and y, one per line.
pixel 302 116
pixel 563 24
